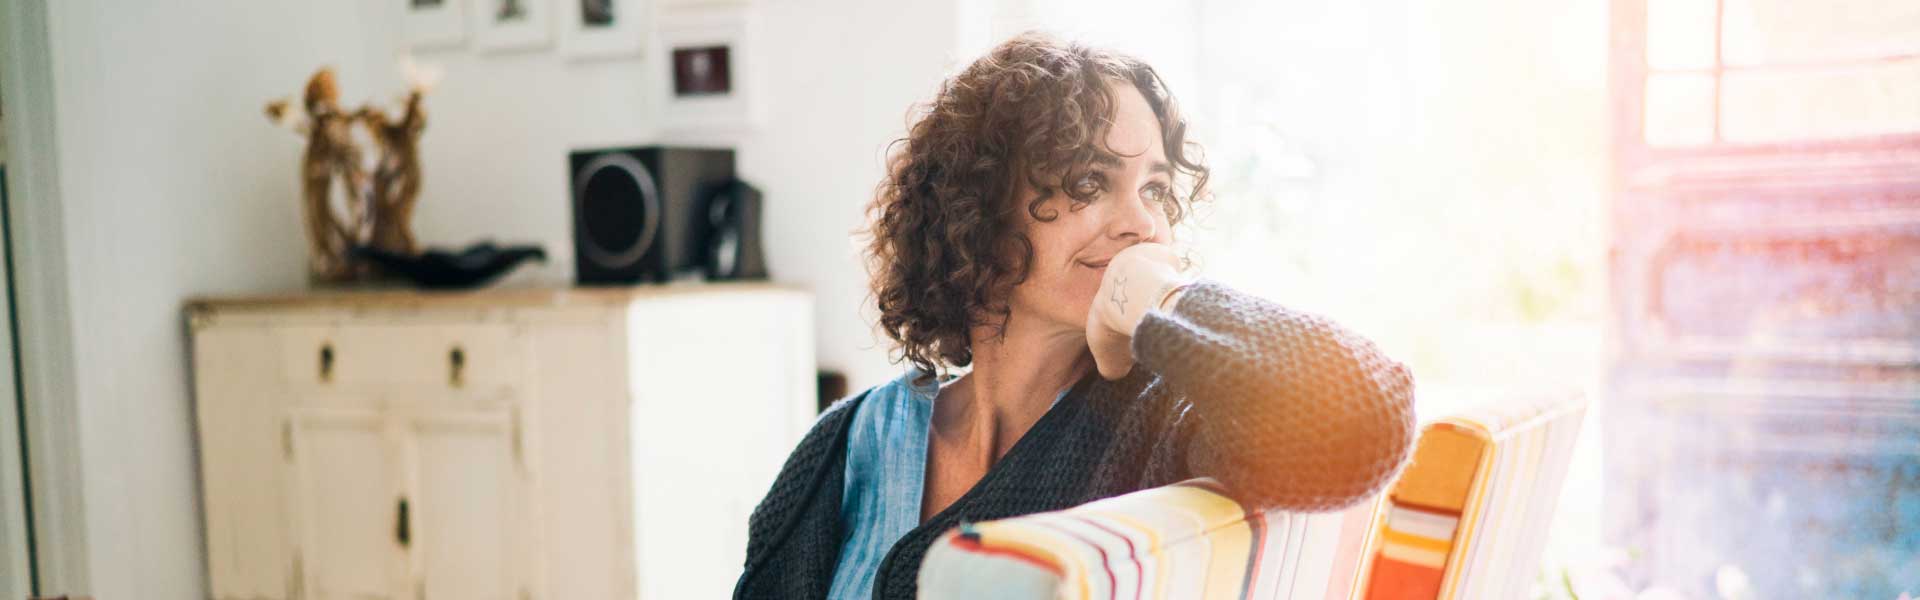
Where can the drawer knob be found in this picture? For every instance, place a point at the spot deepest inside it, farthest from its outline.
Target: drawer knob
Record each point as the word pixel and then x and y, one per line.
pixel 403 524
pixel 456 365
pixel 326 362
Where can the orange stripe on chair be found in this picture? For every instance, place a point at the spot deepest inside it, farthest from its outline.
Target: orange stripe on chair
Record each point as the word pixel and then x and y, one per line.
pixel 1395 580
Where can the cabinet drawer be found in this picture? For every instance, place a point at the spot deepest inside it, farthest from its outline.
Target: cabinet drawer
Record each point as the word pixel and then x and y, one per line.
pixel 447 356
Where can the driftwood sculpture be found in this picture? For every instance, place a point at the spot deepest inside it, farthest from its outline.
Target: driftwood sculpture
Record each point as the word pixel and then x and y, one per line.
pixel 375 199
pixel 396 178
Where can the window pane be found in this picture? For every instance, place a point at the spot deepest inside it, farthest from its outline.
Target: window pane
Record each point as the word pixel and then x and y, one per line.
pixel 1680 34
pixel 1762 106
pixel 1809 294
pixel 1679 109
pixel 1787 31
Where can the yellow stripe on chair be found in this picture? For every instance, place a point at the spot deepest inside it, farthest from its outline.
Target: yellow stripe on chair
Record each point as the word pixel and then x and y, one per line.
pixel 1442 471
pixel 1438 547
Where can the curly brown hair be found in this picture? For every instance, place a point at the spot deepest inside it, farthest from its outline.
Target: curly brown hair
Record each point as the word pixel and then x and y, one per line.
pixel 947 241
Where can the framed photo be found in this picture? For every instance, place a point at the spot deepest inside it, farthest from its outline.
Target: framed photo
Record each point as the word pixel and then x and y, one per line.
pixel 435 23
pixel 702 71
pixel 695 4
pixel 709 78
pixel 511 24
pixel 602 28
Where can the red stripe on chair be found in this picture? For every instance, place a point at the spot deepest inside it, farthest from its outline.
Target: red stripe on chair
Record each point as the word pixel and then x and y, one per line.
pixel 1133 556
pixel 972 544
pixel 1106 564
pixel 1257 525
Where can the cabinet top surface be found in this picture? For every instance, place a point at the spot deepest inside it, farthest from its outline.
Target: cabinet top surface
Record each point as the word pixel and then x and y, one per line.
pixel 485 298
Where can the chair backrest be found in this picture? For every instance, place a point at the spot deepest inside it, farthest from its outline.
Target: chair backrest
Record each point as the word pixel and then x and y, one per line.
pixel 1469 516
pixel 1187 540
pixel 1466 519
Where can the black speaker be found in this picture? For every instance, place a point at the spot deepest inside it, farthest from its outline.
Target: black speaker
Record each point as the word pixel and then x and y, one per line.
pixel 732 249
pixel 636 211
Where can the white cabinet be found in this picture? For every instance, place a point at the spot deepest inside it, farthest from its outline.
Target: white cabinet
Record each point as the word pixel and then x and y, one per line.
pixel 510 445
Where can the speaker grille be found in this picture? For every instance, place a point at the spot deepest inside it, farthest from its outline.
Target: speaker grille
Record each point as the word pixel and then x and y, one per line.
pixel 615 229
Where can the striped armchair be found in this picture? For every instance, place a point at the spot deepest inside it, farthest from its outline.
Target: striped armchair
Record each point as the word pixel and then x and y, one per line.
pixel 1466 519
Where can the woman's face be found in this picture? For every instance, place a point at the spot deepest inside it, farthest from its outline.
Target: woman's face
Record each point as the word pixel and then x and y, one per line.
pixel 1129 187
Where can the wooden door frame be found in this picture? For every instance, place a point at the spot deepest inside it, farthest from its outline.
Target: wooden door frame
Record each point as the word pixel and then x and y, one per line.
pixel 16 532
pixel 50 423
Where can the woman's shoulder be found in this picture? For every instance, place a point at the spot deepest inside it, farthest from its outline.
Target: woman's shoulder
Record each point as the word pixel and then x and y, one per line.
pixel 905 397
pixel 887 397
pixel 834 418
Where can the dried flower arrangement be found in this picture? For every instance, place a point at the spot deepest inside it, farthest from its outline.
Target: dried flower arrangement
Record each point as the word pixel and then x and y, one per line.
pixel 378 186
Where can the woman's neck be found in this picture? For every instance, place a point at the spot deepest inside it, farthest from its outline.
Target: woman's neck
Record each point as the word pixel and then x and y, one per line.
pixel 1015 379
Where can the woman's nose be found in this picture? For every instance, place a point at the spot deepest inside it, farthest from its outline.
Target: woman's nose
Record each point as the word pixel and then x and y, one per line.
pixel 1134 218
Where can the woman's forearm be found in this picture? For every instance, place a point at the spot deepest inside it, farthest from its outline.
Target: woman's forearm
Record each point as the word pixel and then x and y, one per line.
pixel 1293 410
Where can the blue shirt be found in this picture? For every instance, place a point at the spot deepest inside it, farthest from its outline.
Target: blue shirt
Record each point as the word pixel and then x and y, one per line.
pixel 886 474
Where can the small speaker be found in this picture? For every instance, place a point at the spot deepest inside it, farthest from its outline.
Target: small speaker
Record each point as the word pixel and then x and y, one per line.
pixel 635 211
pixel 732 249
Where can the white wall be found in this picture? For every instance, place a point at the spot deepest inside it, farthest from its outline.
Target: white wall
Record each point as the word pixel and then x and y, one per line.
pixel 844 75
pixel 173 184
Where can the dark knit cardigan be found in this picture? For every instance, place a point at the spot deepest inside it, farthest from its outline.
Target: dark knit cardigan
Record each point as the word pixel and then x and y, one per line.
pixel 1287 410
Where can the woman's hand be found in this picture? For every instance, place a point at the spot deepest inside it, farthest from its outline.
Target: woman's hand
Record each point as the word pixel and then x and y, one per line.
pixel 1138 279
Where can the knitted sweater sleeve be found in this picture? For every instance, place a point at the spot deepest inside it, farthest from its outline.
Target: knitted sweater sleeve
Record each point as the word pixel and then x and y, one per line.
pixel 1288 410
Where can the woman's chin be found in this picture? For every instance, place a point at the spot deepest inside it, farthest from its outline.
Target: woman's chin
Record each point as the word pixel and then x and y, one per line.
pixel 1076 313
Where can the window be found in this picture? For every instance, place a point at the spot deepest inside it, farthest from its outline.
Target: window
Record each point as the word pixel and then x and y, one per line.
pixel 1766 296
pixel 1721 72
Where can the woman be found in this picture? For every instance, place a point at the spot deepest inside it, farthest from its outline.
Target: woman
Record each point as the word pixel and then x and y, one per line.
pixel 1022 230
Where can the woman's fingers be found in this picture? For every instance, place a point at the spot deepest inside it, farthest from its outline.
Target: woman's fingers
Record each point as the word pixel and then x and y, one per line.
pixel 1135 281
pixel 1112 351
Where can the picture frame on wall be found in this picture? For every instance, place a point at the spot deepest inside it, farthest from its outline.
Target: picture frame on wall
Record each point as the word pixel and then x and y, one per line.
pixel 602 28
pixel 435 23
pixel 507 25
pixel 673 5
pixel 708 79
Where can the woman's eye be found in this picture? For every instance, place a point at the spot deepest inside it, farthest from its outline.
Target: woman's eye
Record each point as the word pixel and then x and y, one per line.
pixel 1086 187
pixel 1156 193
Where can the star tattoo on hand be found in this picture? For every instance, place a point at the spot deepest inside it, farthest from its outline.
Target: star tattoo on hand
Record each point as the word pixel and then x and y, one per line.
pixel 1120 293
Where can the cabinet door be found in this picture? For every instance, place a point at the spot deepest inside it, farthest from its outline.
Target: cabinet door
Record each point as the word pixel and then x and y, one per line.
pixel 351 512
pixel 469 493
pixel 700 465
pixel 245 463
